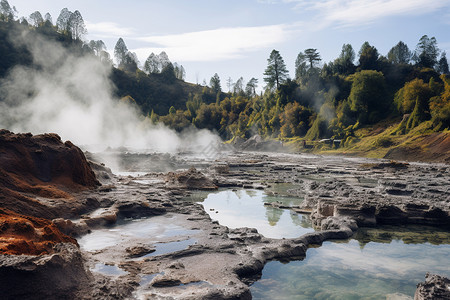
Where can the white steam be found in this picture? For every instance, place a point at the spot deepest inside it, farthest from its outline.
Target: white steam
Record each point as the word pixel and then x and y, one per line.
pixel 72 96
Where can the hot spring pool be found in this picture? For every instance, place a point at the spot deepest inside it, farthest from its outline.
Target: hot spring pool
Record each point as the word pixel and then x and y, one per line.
pixel 383 263
pixel 245 208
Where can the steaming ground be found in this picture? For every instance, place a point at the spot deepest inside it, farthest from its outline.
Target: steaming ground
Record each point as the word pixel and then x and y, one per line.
pixel 72 96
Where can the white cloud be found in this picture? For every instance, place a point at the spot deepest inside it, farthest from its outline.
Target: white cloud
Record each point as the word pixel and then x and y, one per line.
pixel 108 29
pixel 215 45
pixel 346 13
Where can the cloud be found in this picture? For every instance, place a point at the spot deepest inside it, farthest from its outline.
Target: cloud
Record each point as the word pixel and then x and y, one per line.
pixel 348 13
pixel 108 29
pixel 215 45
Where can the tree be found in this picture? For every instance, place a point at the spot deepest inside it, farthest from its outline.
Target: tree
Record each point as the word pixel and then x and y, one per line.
pixel 239 86
pixel 229 83
pixel 276 72
pixel 77 26
pixel 168 73
pixel 215 84
pixel 344 63
pixel 427 52
pixel 410 93
pixel 443 64
pixel 294 120
pixel 250 89
pixel 163 60
pixel 36 19
pixel 301 68
pixel 368 96
pixel 313 57
pixel 120 51
pixel 63 21
pixel 368 57
pixel 179 71
pixel 48 18
pixel 97 46
pixel 152 64
pixel 399 54
pixel 7 13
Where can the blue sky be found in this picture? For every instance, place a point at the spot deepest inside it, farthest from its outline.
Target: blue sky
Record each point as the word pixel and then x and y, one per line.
pixel 235 37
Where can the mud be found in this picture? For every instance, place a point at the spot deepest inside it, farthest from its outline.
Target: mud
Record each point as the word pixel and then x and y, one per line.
pixel 186 255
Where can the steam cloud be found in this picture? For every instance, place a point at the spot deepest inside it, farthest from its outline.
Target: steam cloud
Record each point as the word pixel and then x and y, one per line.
pixel 72 96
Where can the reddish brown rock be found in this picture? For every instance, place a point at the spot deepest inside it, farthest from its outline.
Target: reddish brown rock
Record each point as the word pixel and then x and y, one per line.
pixel 38 175
pixel 26 235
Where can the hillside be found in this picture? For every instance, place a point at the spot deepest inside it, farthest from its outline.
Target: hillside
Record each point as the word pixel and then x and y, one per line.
pixel 157 92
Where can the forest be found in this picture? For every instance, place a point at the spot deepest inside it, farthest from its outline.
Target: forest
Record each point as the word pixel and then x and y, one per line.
pixel 408 88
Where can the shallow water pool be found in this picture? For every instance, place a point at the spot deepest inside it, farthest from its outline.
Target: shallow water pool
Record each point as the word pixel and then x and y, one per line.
pixel 155 229
pixel 245 208
pixel 388 267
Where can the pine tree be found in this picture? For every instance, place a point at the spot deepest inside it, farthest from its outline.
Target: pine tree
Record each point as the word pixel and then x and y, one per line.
pixel 276 72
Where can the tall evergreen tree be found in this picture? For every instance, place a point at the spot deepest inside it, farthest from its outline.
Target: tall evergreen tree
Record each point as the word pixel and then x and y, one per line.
pixel 7 13
pixel 301 68
pixel 344 64
pixel 399 54
pixel 368 57
pixel 63 21
pixel 152 64
pixel 36 19
pixel 313 57
pixel 276 72
pixel 48 18
pixel 77 26
pixel 215 83
pixel 120 51
pixel 250 89
pixel 443 64
pixel 427 52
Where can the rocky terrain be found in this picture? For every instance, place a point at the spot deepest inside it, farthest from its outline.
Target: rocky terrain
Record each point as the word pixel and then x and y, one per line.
pixel 49 196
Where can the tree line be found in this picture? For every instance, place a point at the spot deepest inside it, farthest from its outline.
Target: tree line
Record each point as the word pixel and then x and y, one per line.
pixel 330 100
pixel 333 99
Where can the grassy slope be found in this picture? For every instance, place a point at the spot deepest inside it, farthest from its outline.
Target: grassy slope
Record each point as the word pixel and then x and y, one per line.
pixel 420 144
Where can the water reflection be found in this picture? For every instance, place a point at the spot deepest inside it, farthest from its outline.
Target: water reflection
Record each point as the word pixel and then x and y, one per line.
pixel 155 229
pixel 376 264
pixel 245 208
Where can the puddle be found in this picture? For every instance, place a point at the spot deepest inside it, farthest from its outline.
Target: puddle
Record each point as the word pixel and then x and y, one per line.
pixel 245 208
pixel 108 270
pixel 359 269
pixel 146 279
pixel 147 181
pixel 132 174
pixel 154 228
pixel 164 248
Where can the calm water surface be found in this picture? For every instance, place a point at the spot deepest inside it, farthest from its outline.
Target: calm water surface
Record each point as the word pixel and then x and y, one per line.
pixel 382 263
pixel 245 208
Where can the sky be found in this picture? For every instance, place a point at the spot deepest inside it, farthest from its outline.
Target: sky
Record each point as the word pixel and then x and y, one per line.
pixel 234 38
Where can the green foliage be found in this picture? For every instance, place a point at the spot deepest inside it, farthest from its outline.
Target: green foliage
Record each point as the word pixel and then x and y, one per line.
pixel 440 106
pixel 276 72
pixel 215 84
pixel 427 52
pixel 405 98
pixel 418 115
pixel 399 54
pixel 347 100
pixel 295 120
pixel 384 142
pixel 368 96
pixel 443 64
pixel 344 63
pixel 368 57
